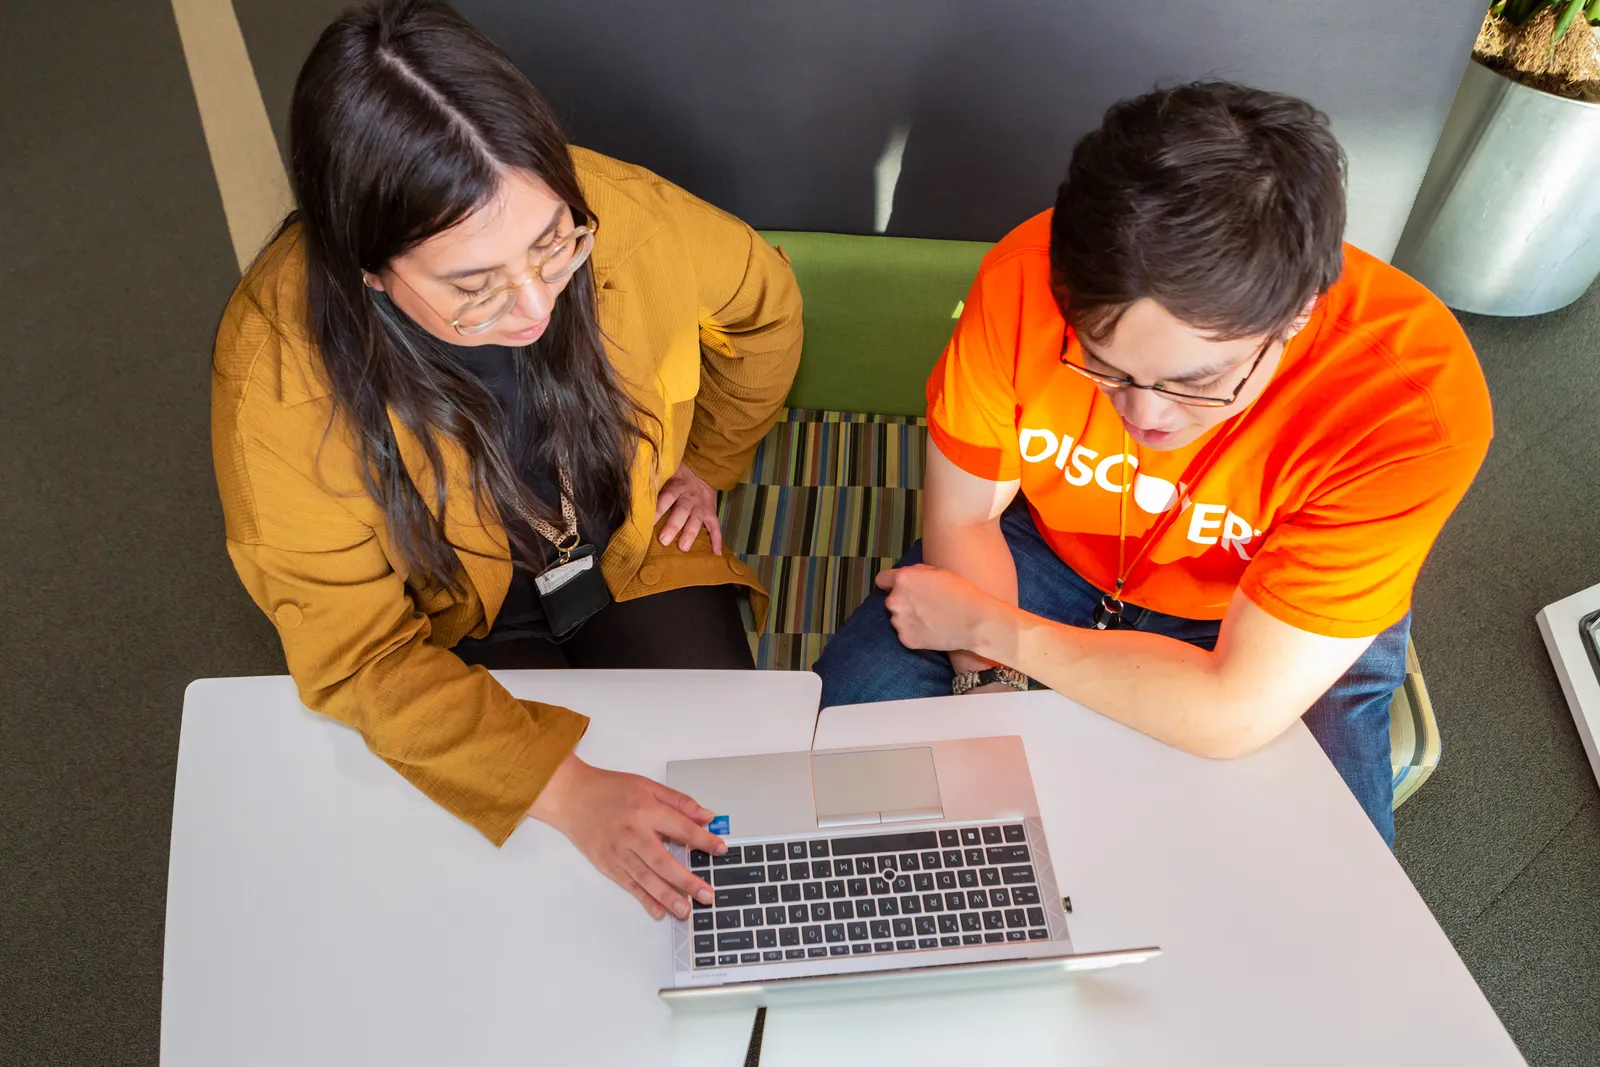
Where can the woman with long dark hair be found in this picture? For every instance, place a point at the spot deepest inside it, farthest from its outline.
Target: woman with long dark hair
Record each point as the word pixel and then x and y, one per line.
pixel 471 407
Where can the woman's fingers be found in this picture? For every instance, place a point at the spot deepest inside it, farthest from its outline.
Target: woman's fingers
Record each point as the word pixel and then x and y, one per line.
pixel 693 520
pixel 650 903
pixel 655 881
pixel 675 827
pixel 664 501
pixel 675 521
pixel 688 515
pixel 689 806
pixel 676 881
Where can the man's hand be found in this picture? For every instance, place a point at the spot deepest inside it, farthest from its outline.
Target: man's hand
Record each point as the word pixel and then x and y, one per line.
pixel 693 504
pixel 618 822
pixel 936 609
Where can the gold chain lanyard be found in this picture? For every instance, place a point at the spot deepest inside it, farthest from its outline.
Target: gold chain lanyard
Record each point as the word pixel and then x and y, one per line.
pixel 563 540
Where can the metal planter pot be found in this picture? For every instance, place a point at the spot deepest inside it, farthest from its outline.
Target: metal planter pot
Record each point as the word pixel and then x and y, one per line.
pixel 1507 221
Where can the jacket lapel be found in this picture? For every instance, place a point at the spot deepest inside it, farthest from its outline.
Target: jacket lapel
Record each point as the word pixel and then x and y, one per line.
pixel 479 541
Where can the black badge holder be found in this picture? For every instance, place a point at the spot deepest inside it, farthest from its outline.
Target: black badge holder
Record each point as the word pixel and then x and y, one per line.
pixel 572 590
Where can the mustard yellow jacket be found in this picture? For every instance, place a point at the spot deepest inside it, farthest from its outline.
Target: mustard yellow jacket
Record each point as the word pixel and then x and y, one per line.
pixel 702 320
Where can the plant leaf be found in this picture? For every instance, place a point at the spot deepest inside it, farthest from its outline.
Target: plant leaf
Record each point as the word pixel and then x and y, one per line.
pixel 1518 12
pixel 1564 23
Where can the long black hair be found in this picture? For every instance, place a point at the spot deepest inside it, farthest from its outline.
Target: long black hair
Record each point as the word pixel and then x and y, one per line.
pixel 403 122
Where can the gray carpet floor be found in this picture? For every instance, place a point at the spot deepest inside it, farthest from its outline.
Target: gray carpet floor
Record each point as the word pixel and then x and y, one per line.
pixel 115 261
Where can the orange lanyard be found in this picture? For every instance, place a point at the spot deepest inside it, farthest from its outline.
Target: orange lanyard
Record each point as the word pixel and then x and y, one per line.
pixel 1108 613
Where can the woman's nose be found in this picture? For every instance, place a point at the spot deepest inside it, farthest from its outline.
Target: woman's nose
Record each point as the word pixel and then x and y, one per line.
pixel 535 300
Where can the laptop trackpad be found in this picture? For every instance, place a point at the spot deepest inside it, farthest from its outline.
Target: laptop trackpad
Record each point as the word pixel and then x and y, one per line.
pixel 886 785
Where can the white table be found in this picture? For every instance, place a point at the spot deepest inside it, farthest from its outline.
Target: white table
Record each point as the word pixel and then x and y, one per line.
pixel 323 913
pixel 1291 935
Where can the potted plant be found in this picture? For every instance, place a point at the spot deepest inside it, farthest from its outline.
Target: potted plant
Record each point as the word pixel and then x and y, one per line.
pixel 1507 221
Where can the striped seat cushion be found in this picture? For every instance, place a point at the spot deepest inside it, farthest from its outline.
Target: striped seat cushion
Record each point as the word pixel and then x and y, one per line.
pixel 834 497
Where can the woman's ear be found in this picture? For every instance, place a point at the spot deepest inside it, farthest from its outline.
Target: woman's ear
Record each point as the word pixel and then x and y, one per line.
pixel 371 281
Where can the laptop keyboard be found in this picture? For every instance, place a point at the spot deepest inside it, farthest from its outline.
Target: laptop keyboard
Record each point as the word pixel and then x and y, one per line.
pixel 867 894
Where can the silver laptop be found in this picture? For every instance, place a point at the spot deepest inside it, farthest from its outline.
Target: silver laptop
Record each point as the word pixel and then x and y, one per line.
pixel 894 869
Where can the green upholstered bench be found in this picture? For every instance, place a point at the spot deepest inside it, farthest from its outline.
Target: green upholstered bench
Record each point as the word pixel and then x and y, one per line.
pixel 834 493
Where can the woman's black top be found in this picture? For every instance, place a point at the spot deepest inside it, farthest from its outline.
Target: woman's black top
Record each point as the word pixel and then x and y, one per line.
pixel 522 615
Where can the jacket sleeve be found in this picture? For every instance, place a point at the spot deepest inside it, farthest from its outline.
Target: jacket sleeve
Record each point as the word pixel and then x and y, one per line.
pixel 750 334
pixel 358 648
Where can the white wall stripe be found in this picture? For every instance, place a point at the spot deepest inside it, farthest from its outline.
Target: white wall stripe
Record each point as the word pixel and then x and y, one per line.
pixel 244 153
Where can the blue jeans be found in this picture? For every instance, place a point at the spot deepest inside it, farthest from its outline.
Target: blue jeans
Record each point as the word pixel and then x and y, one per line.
pixel 866 662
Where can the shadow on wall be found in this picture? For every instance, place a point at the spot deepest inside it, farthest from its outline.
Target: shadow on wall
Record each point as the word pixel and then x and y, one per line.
pixel 779 112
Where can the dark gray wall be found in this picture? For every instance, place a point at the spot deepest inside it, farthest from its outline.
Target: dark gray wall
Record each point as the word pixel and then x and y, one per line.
pixel 778 111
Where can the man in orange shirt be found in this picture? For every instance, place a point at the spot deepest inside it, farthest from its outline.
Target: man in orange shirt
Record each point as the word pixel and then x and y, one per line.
pixel 1189 450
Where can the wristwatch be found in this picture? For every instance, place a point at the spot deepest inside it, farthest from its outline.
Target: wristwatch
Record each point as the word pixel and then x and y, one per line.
pixel 966 681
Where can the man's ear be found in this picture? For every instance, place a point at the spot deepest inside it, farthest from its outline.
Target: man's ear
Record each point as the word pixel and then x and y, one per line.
pixel 1304 317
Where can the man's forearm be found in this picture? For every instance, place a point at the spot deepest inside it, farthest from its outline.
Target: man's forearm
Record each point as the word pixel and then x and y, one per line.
pixel 1160 686
pixel 979 553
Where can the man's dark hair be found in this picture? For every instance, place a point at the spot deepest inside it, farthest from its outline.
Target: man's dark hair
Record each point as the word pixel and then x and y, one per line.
pixel 1222 203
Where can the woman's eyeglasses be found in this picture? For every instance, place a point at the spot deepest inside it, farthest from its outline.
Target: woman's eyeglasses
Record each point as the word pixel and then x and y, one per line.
pixel 558 264
pixel 1111 381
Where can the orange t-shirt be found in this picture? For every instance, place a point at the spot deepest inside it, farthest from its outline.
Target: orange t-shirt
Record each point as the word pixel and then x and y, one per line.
pixel 1320 503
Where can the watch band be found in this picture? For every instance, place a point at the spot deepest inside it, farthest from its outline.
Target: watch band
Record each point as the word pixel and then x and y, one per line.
pixel 966 681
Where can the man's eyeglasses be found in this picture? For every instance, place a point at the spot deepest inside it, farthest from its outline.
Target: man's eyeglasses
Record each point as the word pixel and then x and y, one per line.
pixel 1111 381
pixel 482 312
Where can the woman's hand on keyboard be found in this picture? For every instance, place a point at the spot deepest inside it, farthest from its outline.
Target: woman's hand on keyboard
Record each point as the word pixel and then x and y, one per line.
pixel 619 822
